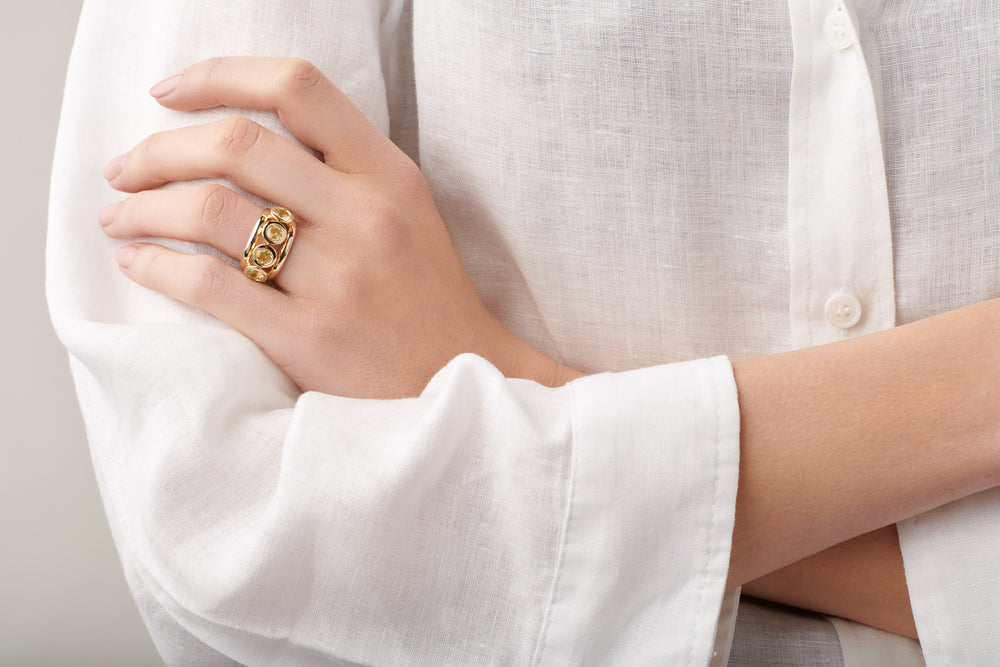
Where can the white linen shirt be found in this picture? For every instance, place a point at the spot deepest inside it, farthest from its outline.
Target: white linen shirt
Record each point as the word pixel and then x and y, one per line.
pixel 636 189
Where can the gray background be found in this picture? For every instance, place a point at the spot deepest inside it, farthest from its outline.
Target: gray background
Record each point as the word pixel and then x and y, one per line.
pixel 63 599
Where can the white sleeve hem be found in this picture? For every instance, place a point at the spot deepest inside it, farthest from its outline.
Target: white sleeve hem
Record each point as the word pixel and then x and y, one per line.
pixel 950 555
pixel 670 453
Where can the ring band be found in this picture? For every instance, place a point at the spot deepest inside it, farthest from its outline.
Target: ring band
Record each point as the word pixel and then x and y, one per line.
pixel 269 244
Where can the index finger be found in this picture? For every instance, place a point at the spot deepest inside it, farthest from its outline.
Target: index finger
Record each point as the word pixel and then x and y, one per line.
pixel 310 106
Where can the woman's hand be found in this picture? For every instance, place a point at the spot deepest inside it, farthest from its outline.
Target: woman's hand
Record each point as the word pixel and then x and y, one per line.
pixel 373 299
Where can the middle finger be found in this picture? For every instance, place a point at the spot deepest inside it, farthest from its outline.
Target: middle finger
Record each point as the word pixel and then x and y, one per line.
pixel 238 149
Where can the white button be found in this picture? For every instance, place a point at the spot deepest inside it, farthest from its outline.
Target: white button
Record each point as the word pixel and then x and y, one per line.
pixel 843 310
pixel 838 30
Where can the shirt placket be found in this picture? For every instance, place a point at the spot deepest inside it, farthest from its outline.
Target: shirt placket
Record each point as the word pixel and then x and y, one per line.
pixel 840 239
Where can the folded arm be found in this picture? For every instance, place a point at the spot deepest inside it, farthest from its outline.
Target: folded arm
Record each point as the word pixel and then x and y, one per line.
pixel 836 441
pixel 214 470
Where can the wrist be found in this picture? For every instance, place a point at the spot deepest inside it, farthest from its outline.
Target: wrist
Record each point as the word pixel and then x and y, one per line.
pixel 517 359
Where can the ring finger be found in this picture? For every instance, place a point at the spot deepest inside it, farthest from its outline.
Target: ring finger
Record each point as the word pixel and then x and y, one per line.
pixel 207 213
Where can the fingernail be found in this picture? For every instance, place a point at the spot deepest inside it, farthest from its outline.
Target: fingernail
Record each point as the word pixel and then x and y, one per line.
pixel 115 167
pixel 109 213
pixel 125 255
pixel 165 87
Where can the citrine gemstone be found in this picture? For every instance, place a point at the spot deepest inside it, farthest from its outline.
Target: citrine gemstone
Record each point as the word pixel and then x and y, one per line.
pixel 263 256
pixel 282 214
pixel 253 273
pixel 275 233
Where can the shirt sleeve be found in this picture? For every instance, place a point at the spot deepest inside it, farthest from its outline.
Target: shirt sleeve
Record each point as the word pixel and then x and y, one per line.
pixel 951 572
pixel 488 520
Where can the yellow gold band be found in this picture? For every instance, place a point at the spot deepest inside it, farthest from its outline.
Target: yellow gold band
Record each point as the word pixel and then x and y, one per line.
pixel 269 244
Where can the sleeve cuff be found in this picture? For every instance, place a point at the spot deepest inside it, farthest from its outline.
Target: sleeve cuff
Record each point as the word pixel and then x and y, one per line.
pixel 954 580
pixel 645 555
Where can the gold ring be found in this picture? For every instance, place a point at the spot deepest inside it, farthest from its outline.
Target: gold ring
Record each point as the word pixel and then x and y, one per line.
pixel 269 244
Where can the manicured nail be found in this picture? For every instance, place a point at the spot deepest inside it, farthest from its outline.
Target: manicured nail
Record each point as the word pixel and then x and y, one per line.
pixel 115 167
pixel 108 214
pixel 165 87
pixel 125 255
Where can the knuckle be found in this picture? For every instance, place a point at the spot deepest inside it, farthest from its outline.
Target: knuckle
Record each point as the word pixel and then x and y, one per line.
pixel 298 76
pixel 212 66
pixel 149 260
pixel 238 137
pixel 409 172
pixel 147 148
pixel 137 216
pixel 216 204
pixel 126 216
pixel 408 176
pixel 385 227
pixel 208 282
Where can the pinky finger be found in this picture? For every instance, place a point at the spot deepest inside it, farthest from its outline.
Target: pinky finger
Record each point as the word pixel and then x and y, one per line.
pixel 211 285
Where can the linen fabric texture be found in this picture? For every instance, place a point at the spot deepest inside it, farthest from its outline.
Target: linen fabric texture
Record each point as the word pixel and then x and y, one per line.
pixel 639 190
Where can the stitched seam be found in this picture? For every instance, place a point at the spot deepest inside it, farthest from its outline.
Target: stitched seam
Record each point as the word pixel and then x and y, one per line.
pixel 807 208
pixel 711 542
pixel 804 223
pixel 934 621
pixel 871 205
pixel 543 631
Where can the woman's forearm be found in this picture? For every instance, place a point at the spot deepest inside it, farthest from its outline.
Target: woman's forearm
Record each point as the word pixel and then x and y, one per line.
pixel 843 439
pixel 839 442
pixel 861 580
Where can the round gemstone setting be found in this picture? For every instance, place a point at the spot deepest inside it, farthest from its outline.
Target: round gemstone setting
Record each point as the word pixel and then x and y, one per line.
pixel 275 232
pixel 255 274
pixel 264 256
